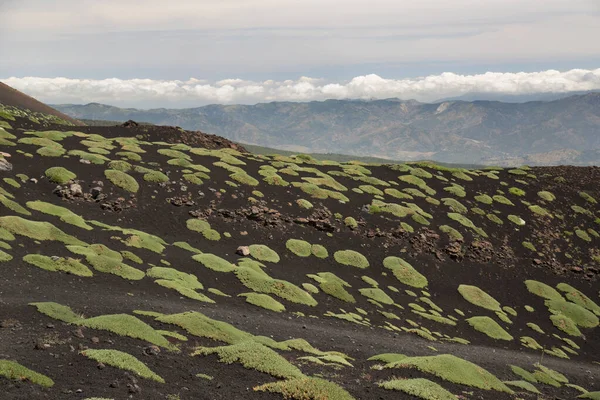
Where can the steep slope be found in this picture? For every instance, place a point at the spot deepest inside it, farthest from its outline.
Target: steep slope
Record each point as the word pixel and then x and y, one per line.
pixel 13 98
pixel 566 130
pixel 137 267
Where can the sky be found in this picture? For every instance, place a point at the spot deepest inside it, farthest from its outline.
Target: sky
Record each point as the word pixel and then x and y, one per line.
pixel 194 52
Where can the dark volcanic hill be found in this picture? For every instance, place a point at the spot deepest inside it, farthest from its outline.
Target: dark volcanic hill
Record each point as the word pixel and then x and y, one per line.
pixel 564 131
pixel 143 262
pixel 12 97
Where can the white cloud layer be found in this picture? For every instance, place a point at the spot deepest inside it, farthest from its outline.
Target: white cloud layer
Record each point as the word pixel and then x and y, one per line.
pixel 195 92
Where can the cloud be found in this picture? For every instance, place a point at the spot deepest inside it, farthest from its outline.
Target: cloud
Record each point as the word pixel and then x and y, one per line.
pixel 196 92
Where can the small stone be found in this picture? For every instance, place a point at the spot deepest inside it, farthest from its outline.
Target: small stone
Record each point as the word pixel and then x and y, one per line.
pixel 81 160
pixel 78 333
pixel 50 326
pixel 96 191
pixel 243 233
pixel 243 251
pixel 75 189
pixel 151 350
pixel 33 180
pixel 95 339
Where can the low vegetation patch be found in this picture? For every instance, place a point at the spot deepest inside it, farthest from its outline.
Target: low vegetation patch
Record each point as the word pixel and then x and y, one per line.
pixel 352 258
pixel 263 300
pixel 122 179
pixel 68 265
pixel 59 175
pixel 306 388
pixel 15 371
pixel 490 327
pixel 453 369
pixel 419 387
pixel 124 361
pixel 405 272
pixel 300 248
pixel 264 253
pixel 253 355
pixel 476 296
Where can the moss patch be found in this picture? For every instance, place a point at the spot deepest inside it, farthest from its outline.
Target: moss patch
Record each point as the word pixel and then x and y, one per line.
pixel 253 355
pixel 476 296
pixel 59 175
pixel 306 388
pixel 36 230
pixel 122 180
pixel 453 369
pixel 108 261
pixel 126 325
pixel 263 253
pixel 124 361
pixel 68 265
pixel 490 327
pixel 63 213
pixel 214 262
pixel 352 258
pixel 264 301
pixel 15 371
pixel 57 311
pixel 405 272
pixel 260 282
pixel 300 248
pixel 419 387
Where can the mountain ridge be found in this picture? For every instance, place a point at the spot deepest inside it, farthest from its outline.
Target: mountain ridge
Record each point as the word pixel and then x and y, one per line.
pixel 563 131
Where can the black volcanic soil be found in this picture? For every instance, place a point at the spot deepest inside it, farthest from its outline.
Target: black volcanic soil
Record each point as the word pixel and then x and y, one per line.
pixel 498 264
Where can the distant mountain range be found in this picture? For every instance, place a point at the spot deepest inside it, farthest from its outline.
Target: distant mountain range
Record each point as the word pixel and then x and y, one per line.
pixel 562 131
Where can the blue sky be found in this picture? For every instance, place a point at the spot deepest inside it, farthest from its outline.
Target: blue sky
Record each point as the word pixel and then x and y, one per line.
pixel 332 41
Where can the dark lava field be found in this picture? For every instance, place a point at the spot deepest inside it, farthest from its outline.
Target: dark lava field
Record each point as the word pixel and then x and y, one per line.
pixel 149 262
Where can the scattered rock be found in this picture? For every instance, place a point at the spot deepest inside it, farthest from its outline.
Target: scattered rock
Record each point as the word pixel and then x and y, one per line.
pixel 151 350
pixel 243 251
pixel 5 165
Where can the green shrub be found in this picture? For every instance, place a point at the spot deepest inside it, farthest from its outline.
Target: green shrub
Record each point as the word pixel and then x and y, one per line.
pixel 214 262
pixel 15 371
pixel 352 258
pixel 418 387
pixel 489 327
pixel 156 177
pixel 306 388
pixel 64 214
pixel 263 253
pixel 260 282
pixel 516 220
pixel 405 272
pixel 263 300
pixel 253 355
pixel 68 265
pixel 543 290
pixel 126 325
pixel 516 191
pixel 119 165
pixel 319 251
pixel 122 180
pixel 59 175
pixel 36 230
pixel 350 222
pixel 57 311
pixel 453 369
pixel 547 196
pixel 475 295
pixel 581 316
pixel 300 248
pixel 304 204
pixel 124 361
pixel 106 260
